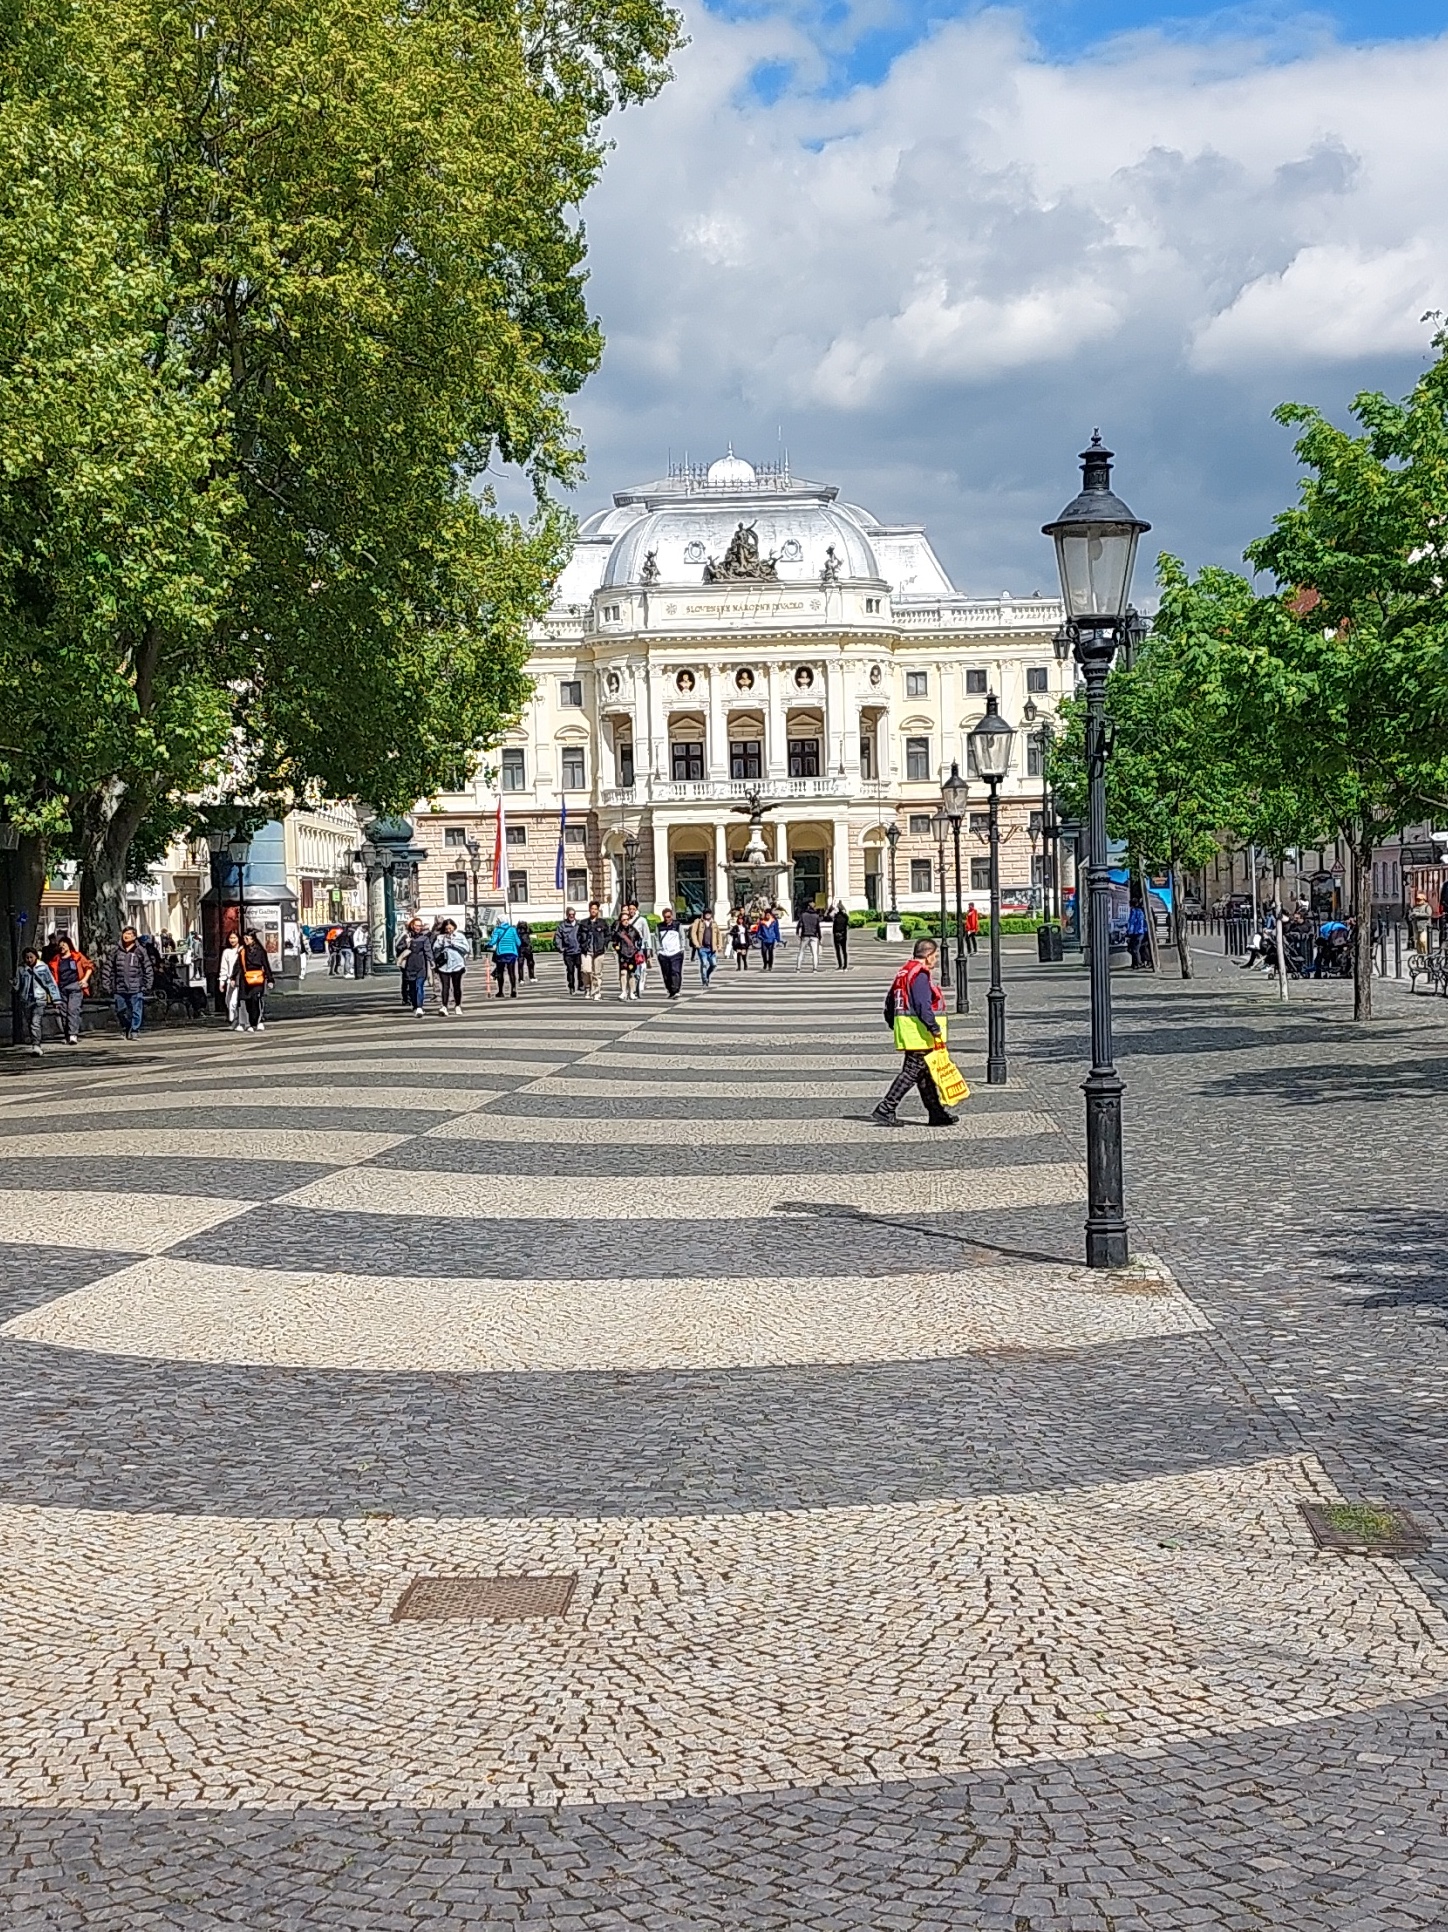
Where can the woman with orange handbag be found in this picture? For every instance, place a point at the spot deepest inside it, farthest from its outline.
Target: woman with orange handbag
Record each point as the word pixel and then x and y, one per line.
pixel 256 977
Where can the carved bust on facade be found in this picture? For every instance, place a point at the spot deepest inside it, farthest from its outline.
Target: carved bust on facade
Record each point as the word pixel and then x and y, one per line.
pixel 744 680
pixel 741 562
pixel 684 681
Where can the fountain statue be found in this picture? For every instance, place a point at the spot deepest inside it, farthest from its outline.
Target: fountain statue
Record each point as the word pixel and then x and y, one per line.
pixel 753 876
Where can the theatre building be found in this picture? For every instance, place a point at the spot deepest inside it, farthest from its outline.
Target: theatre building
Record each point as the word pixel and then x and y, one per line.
pixel 737 628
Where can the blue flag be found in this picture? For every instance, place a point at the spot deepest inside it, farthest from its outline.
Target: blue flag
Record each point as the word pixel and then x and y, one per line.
pixel 562 828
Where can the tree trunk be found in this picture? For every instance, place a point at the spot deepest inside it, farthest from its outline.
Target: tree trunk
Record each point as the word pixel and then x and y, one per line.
pixel 22 880
pixel 1179 924
pixel 1361 863
pixel 108 823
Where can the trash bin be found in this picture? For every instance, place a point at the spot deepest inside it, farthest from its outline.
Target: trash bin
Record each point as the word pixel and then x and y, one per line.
pixel 1048 945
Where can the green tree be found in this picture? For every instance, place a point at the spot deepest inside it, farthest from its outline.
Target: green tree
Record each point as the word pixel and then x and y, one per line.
pixel 348 228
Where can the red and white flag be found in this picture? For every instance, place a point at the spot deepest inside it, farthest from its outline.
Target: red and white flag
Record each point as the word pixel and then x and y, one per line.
pixel 500 851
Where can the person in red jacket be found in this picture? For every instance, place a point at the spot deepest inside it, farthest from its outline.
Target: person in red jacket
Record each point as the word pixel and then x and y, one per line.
pixel 915 1011
pixel 972 930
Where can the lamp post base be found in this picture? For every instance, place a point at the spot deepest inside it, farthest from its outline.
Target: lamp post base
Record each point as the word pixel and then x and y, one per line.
pixel 1107 1241
pixel 995 1035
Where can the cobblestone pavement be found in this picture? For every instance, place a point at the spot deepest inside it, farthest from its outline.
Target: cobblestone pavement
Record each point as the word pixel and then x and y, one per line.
pixel 924 1579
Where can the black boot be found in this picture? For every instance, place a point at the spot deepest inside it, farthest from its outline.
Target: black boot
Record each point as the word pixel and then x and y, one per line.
pixel 884 1117
pixel 942 1118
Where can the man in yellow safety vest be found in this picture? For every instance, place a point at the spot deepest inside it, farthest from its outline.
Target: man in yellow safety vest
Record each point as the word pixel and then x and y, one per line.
pixel 915 1009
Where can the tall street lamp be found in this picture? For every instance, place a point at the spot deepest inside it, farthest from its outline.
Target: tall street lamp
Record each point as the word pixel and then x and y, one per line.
pixel 630 863
pixel 1096 536
pixel 954 798
pixel 940 825
pixel 990 744
pixel 475 866
pixel 892 839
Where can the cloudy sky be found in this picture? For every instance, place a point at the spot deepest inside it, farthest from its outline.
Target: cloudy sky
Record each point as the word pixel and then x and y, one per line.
pixel 933 247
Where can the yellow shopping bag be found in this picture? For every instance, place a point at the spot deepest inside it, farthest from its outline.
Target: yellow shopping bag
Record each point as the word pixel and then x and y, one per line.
pixel 949 1081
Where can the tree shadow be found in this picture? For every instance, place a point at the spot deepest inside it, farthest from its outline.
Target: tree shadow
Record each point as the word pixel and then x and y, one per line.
pixel 1374 1080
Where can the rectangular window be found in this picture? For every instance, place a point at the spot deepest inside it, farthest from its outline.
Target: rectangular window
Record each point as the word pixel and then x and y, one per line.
pixel 975 682
pixel 804 757
pixel 922 825
pixel 744 758
pixel 457 888
pixel 917 684
pixel 625 762
pixel 872 606
pixel 920 875
pixel 1038 678
pixel 610 613
pixel 917 758
pixel 980 824
pixel 867 756
pixel 573 778
pixel 517 835
pixel 1035 824
pixel 518 888
pixel 515 777
pixel 577 884
pixel 1034 762
pixel 686 761
pixel 980 875
pixel 570 693
pixel 575 835
pixel 453 835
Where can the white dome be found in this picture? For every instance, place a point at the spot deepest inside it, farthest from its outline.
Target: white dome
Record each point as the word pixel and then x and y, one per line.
pixel 799 532
pixel 731 472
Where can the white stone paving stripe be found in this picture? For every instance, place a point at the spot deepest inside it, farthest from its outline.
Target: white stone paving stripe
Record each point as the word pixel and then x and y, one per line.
pixel 324 1148
pixel 883 1062
pixel 123 1222
pixel 382 1190
pixel 194 1311
pixel 842 1089
pixel 976 1123
pixel 255 1664
pixel 142 1099
pixel 479 1062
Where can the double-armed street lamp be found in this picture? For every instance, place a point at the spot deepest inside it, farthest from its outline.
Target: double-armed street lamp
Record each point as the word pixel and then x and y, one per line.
pixel 990 746
pixel 954 799
pixel 1096 537
pixel 940 825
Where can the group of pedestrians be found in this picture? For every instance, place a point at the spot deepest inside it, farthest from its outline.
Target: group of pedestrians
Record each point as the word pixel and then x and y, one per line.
pixel 442 954
pixel 58 980
pixel 244 975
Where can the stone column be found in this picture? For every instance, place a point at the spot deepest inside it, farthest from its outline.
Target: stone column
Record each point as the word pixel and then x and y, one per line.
pixel 840 864
pixel 776 756
pixel 721 872
pixel 832 703
pixel 717 751
pixel 662 894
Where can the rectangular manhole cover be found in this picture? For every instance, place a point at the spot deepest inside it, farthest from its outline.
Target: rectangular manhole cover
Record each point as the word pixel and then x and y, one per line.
pixel 497 1599
pixel 1364 1529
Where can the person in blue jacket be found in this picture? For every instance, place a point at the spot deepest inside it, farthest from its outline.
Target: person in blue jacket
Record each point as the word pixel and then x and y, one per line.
pixel 506 948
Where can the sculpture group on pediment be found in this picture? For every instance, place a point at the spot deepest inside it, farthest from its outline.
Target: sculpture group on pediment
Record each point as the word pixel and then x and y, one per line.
pixel 741 562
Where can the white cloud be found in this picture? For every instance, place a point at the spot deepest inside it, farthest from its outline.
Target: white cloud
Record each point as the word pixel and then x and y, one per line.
pixel 938 283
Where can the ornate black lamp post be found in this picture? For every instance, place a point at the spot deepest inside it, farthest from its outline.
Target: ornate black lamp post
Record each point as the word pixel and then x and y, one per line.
pixel 892 839
pixel 940 825
pixel 630 865
pixel 990 744
pixel 954 798
pixel 475 866
pixel 1096 537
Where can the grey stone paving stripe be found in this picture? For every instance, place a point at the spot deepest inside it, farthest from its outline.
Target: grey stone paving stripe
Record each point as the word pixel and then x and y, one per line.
pixel 279 1442
pixel 689 1098
pixel 254 1180
pixel 238 1118
pixel 275 1236
pixel 563 1157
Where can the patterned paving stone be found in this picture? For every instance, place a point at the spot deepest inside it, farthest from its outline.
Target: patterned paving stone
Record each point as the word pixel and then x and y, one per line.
pixel 33 1273
pixel 568 1154
pixel 129 1175
pixel 140 1223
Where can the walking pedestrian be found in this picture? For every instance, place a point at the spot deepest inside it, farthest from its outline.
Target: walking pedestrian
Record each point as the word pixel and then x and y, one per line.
pixel 739 943
pixel 840 930
pixel 128 975
pixel 525 950
pixel 704 937
pixel 671 952
pixel 361 950
pixel 1136 941
pixel 972 930
pixel 228 980
pixel 767 933
pixel 1420 922
pixel 807 929
pixel 627 946
pixel 414 957
pixel 569 942
pixel 450 954
pixel 593 938
pixel 73 973
pixel 256 976
pixel 915 1011
pixel 645 952
pixel 506 947
pixel 35 988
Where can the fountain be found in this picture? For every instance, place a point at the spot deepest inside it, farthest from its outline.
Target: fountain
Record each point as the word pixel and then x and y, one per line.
pixel 752 877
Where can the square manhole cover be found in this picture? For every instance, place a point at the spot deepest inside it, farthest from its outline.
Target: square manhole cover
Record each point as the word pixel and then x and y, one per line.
pixel 496 1599
pixel 1364 1529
